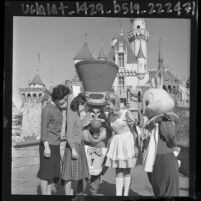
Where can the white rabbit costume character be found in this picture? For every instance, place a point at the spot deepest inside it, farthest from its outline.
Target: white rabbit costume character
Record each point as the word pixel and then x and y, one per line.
pixel 159 161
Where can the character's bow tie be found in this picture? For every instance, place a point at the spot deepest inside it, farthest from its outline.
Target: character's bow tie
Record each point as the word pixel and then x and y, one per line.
pixel 92 151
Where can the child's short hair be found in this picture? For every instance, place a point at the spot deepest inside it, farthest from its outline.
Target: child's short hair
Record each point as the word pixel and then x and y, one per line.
pixel 80 99
pixel 60 92
pixel 114 99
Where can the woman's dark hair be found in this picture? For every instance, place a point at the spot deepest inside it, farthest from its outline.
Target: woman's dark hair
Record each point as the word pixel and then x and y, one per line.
pixel 60 92
pixel 80 99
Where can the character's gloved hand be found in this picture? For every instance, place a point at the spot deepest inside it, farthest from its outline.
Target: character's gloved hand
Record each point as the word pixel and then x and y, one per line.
pixel 95 172
pixel 74 153
pixel 136 151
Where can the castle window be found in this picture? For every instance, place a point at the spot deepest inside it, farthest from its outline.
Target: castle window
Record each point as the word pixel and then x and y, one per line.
pixel 40 97
pixel 34 98
pixel 28 97
pixel 164 87
pixel 138 26
pixel 121 83
pixel 121 59
pixel 139 96
pixel 169 89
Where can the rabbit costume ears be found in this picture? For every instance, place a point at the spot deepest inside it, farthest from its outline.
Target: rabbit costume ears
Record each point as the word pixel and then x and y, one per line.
pixel 156 100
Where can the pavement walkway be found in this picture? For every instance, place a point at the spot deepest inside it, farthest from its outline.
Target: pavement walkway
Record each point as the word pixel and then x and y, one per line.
pixel 25 182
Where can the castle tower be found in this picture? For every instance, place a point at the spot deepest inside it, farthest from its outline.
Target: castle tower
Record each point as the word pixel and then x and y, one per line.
pixel 101 54
pixel 32 97
pixel 84 52
pixel 138 37
pixel 160 56
pixel 141 68
pixel 161 59
pixel 34 93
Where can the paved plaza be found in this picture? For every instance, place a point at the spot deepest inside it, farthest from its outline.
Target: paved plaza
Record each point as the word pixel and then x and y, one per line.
pixel 24 181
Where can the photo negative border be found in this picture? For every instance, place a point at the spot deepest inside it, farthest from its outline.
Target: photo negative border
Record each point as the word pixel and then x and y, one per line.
pixel 117 8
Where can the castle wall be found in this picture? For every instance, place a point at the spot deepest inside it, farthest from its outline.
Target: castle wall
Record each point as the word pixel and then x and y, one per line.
pixel 31 122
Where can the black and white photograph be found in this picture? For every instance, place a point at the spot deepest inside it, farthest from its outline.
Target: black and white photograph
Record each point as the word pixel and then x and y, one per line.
pixel 101 106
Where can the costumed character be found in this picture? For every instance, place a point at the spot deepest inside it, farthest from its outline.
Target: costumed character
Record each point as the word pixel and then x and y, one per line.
pixel 97 77
pixel 159 160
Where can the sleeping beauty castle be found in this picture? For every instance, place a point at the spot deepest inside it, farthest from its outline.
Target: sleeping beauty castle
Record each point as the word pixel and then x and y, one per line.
pixel 129 53
pixel 131 77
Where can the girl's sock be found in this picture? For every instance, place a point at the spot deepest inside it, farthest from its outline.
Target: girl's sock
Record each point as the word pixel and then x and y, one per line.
pixel 127 182
pixel 119 186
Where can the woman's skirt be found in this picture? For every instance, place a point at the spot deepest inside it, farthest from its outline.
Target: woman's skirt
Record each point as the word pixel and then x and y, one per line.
pixel 75 169
pixel 165 176
pixel 49 167
pixel 121 153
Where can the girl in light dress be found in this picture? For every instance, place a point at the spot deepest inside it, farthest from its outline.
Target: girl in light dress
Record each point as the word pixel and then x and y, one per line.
pixel 121 154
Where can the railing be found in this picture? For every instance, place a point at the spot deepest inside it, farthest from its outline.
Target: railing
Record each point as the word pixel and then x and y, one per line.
pixel 30 143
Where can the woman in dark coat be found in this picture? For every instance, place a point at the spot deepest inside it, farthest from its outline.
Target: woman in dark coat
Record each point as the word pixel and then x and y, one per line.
pixel 49 147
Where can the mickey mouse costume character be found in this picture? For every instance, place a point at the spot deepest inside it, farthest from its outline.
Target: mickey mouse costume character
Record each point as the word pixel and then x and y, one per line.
pixel 159 161
pixel 97 77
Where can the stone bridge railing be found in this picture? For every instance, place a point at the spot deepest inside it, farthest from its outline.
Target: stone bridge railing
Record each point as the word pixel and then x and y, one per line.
pixel 26 153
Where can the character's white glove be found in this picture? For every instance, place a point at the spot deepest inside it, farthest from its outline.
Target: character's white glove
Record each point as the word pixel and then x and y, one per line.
pixel 95 172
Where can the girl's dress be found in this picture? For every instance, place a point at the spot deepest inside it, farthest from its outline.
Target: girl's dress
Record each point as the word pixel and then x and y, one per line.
pixel 74 169
pixel 121 152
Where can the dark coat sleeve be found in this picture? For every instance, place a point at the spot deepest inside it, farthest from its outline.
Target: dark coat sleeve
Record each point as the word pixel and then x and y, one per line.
pixel 44 123
pixel 168 132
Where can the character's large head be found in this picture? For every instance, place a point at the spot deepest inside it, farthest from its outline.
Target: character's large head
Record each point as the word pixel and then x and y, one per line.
pixel 156 100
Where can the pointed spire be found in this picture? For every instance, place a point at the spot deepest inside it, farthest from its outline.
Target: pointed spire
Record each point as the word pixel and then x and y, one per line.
pixel 101 54
pixel 36 80
pixel 51 82
pixel 140 52
pixel 38 67
pixel 84 52
pixel 121 27
pixel 188 83
pixel 160 56
pixel 131 20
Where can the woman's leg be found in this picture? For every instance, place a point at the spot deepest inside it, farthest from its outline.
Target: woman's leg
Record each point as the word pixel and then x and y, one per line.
pixel 68 189
pixel 127 181
pixel 119 181
pixel 44 184
pixel 49 187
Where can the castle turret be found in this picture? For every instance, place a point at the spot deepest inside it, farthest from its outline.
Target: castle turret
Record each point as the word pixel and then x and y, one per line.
pixel 160 56
pixel 84 53
pixel 36 82
pixel 101 54
pixel 33 98
pixel 141 68
pixel 138 36
pixel 34 92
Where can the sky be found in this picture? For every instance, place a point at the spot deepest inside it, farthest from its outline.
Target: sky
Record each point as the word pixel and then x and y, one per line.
pixel 58 39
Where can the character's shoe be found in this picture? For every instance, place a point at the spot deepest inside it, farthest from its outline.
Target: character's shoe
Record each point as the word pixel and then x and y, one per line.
pixel 96 194
pixel 81 194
